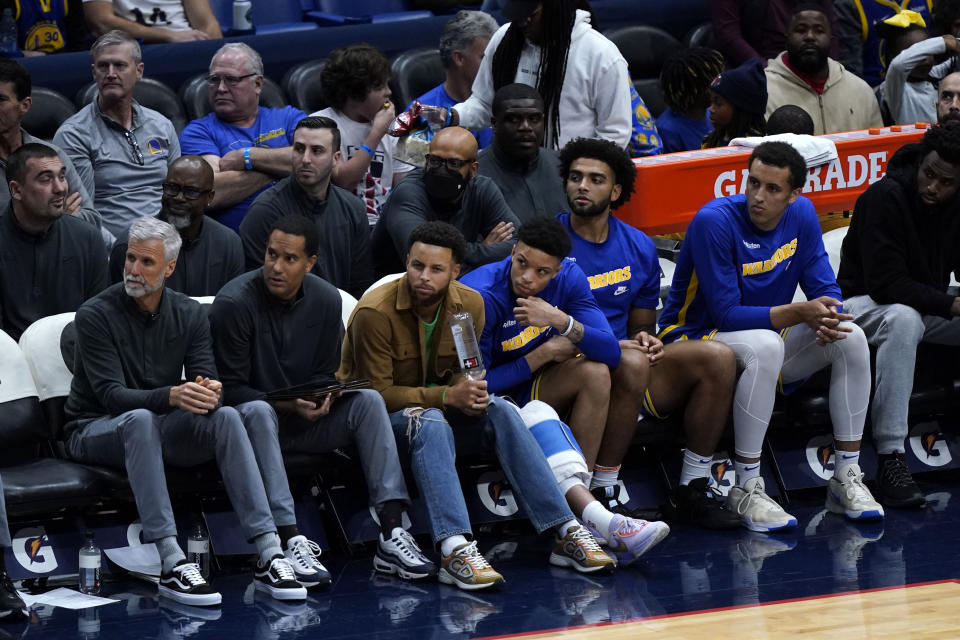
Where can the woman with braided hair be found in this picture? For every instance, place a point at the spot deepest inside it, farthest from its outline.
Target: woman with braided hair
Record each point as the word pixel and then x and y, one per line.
pixel 685 83
pixel 581 75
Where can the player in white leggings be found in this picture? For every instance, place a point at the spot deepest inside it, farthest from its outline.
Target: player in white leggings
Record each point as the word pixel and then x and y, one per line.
pixel 767 360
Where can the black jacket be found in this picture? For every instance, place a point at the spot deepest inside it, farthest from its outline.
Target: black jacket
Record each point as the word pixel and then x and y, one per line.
pixel 896 252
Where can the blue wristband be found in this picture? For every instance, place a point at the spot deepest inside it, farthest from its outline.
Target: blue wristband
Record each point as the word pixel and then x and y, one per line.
pixel 367 148
pixel 247 162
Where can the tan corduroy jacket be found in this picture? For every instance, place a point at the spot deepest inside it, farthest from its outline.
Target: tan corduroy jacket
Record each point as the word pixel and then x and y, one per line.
pixel 385 343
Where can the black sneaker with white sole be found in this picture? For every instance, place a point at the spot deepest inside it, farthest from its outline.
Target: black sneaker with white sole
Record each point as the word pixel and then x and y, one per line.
pixel 279 580
pixel 186 585
pixel 400 555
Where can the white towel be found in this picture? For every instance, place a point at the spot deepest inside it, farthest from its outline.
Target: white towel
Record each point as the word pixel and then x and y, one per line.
pixel 816 150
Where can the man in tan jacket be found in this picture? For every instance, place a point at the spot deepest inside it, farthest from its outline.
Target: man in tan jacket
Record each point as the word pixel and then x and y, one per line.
pixel 805 75
pixel 399 337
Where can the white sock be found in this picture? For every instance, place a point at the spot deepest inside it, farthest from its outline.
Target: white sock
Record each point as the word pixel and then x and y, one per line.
pixel 447 545
pixel 694 466
pixel 604 476
pixel 596 515
pixel 170 553
pixel 842 460
pixel 563 528
pixel 746 471
pixel 268 546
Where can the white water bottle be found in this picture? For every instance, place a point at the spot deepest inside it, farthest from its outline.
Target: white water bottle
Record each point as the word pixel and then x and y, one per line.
pixel 198 550
pixel 465 340
pixel 89 564
pixel 242 17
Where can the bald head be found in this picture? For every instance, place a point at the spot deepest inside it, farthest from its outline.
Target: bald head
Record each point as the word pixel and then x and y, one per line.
pixel 457 140
pixel 948 101
pixel 195 167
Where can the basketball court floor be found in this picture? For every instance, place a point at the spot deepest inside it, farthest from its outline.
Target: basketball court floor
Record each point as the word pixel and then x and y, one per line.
pixel 827 579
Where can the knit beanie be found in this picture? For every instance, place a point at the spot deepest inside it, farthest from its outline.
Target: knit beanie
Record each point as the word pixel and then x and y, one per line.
pixel 744 87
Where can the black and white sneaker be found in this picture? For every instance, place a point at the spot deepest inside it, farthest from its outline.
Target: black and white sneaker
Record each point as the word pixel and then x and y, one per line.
pixel 279 580
pixel 304 557
pixel 12 606
pixel 186 585
pixel 400 555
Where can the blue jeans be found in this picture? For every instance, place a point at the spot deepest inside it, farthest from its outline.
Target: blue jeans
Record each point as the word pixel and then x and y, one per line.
pixel 432 448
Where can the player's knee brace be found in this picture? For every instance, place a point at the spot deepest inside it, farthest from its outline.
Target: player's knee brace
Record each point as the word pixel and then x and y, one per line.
pixel 558 445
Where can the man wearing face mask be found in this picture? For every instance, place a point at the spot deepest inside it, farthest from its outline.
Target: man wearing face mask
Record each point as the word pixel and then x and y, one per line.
pixel 894 271
pixel 211 254
pixel 448 189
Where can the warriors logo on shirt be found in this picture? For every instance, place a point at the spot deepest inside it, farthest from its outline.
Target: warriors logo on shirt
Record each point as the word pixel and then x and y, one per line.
pixel 154 147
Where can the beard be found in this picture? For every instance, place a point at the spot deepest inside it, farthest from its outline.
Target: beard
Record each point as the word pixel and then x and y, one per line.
pixel 590 211
pixel 179 222
pixel 806 61
pixel 145 287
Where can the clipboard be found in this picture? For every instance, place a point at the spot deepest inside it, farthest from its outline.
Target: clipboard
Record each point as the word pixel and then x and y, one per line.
pixel 316 391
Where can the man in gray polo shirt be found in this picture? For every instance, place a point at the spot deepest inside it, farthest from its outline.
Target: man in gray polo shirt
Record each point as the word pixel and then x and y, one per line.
pixel 15 89
pixel 211 254
pixel 340 217
pixel 528 175
pixel 49 262
pixel 120 149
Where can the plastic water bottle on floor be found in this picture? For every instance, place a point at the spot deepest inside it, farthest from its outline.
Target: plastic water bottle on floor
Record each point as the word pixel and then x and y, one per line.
pixel 468 350
pixel 198 550
pixel 89 581
pixel 8 34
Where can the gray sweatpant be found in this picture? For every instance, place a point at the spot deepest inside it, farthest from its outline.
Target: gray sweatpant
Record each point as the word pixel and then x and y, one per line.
pixel 141 441
pixel 358 418
pixel 896 330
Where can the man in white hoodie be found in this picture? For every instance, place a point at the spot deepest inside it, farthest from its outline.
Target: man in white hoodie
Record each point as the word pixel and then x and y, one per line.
pixel 806 76
pixel 581 75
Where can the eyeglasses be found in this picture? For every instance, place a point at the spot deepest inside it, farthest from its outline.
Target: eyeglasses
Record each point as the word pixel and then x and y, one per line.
pixel 454 164
pixel 172 190
pixel 134 147
pixel 232 81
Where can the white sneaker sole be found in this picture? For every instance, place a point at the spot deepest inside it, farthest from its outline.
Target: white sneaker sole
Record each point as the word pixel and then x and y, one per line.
pixel 390 568
pixel 299 593
pixel 768 527
pixel 193 599
pixel 835 506
pixel 558 560
pixel 445 577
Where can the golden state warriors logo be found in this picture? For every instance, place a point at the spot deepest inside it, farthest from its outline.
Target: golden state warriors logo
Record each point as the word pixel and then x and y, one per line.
pixel 495 494
pixel 32 550
pixel 820 456
pixel 43 36
pixel 154 148
pixel 928 445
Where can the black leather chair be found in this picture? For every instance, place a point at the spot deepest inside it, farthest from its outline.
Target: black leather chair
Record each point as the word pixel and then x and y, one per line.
pixel 650 92
pixel 196 96
pixel 701 36
pixel 645 48
pixel 302 84
pixel 150 93
pixel 47 113
pixel 415 72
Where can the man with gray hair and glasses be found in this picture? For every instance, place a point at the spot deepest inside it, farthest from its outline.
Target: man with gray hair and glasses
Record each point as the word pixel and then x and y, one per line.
pixel 462 43
pixel 120 149
pixel 129 408
pixel 247 145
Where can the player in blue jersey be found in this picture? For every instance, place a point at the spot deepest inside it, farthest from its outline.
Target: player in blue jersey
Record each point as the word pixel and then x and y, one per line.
pixel 623 271
pixel 738 269
pixel 539 318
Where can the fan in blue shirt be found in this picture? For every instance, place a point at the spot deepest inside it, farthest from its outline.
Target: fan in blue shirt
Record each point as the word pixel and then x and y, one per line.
pixel 623 272
pixel 738 269
pixel 540 317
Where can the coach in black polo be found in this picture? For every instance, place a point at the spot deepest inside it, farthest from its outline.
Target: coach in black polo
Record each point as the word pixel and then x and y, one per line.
pixel 343 258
